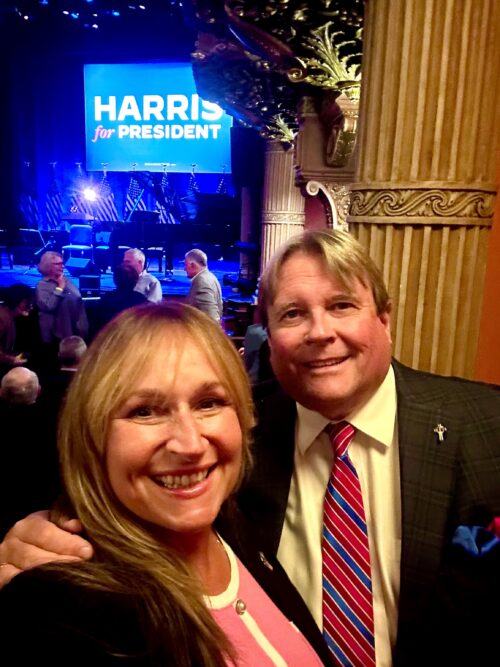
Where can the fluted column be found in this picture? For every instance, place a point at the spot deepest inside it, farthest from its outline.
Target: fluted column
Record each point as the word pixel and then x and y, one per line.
pixel 424 196
pixel 283 206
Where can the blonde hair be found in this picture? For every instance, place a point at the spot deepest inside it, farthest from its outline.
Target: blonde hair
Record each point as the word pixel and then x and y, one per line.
pixel 129 558
pixel 343 257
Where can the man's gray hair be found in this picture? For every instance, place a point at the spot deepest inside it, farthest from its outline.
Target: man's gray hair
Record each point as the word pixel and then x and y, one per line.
pixel 20 386
pixel 137 253
pixel 71 350
pixel 198 256
pixel 46 261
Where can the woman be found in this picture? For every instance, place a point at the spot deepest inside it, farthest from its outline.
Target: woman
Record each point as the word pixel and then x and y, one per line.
pixel 154 440
pixel 60 306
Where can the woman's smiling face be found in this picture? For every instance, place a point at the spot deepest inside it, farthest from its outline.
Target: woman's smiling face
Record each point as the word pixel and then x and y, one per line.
pixel 174 447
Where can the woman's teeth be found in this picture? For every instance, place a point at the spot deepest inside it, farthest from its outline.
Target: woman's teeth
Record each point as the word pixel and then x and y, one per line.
pixel 182 481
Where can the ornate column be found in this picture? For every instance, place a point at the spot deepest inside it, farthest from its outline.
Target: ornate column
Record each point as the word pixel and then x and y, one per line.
pixel 423 200
pixel 282 201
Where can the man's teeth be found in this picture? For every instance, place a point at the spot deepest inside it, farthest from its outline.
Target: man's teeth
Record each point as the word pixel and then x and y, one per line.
pixel 182 481
pixel 325 362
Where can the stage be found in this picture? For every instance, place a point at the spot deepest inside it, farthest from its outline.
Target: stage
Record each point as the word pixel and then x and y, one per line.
pixel 173 286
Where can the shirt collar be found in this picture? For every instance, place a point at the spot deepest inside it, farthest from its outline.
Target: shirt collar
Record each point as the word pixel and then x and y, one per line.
pixel 376 418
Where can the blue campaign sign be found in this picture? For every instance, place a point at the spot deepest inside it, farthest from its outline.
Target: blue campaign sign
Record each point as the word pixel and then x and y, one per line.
pixel 149 117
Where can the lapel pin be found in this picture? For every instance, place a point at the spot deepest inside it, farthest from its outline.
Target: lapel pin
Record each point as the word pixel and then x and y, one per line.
pixel 440 431
pixel 265 562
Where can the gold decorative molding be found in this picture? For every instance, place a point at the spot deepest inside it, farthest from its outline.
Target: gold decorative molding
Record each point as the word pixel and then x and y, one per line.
pixel 286 217
pixel 326 68
pixel 337 199
pixel 414 204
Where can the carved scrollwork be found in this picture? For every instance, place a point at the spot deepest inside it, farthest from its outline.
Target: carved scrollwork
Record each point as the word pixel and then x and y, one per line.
pixel 326 68
pixel 423 203
pixel 337 199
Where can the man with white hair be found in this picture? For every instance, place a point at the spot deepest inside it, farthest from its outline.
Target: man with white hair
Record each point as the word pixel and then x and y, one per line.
pixel 205 292
pixel 29 474
pixel 20 386
pixel 147 284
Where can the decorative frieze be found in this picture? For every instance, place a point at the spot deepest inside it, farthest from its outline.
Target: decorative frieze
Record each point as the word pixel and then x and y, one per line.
pixel 455 207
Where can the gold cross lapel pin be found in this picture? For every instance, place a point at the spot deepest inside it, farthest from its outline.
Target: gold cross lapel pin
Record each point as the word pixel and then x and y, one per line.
pixel 440 431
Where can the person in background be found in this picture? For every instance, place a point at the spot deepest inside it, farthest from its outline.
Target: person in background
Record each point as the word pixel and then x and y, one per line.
pixel 55 385
pixel 19 386
pixel 29 474
pixel 147 284
pixel 153 442
pixel 17 302
pixel 60 307
pixel 125 277
pixel 205 292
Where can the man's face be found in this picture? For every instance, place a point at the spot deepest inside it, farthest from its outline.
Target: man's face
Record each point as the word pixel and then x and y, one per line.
pixel 131 260
pixel 56 268
pixel 330 350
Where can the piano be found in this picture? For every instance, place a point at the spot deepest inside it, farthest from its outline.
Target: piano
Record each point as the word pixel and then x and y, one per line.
pixel 217 222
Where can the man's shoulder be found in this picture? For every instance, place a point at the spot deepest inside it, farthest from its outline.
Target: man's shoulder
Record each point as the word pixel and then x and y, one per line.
pixel 430 385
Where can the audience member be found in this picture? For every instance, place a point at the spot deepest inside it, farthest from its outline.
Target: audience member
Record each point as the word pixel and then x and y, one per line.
pixel 423 459
pixel 124 296
pixel 205 292
pixel 60 306
pixel 147 284
pixel 256 352
pixel 29 474
pixel 20 386
pixel 71 352
pixel 18 300
pixel 154 440
pixel 55 385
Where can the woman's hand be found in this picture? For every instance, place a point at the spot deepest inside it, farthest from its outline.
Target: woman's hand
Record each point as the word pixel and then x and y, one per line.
pixel 35 540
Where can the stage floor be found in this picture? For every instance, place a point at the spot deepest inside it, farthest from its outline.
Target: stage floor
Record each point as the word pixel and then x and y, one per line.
pixel 175 286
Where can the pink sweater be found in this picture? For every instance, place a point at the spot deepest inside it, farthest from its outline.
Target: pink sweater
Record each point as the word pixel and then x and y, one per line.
pixel 261 635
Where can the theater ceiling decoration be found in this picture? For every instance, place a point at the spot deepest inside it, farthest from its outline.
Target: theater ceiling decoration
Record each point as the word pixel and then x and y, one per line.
pixel 258 60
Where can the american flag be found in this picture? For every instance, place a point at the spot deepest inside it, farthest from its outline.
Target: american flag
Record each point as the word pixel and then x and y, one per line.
pixel 133 193
pixel 165 215
pixel 78 203
pixel 53 205
pixel 222 187
pixel 104 205
pixel 193 183
pixel 28 203
pixel 28 206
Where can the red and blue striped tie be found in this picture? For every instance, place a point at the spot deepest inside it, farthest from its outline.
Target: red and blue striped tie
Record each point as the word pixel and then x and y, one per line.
pixel 347 587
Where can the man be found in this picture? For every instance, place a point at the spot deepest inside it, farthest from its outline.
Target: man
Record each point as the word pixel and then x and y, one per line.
pixel 124 296
pixel 19 386
pixel 55 385
pixel 205 292
pixel 426 450
pixel 60 307
pixel 146 284
pixel 29 474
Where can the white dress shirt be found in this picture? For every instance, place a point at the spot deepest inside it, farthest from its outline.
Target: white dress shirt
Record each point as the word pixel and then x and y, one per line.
pixel 375 454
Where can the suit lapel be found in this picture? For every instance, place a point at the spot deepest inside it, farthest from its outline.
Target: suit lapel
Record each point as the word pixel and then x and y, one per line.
pixel 427 468
pixel 264 497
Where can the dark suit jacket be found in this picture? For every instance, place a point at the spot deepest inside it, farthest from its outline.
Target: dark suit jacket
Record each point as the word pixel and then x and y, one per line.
pixel 443 484
pixel 43 616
